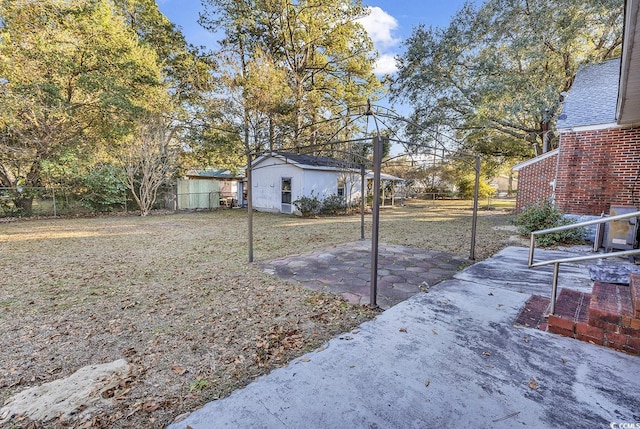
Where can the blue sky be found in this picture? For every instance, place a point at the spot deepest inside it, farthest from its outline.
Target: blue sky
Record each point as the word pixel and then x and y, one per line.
pixel 389 23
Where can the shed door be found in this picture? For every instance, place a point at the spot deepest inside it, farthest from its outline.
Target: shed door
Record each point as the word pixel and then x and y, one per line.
pixel 286 195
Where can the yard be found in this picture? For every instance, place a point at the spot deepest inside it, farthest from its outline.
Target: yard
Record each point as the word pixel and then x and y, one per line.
pixel 175 296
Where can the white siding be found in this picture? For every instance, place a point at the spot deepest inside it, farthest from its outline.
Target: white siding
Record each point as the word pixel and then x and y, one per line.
pixel 325 183
pixel 267 184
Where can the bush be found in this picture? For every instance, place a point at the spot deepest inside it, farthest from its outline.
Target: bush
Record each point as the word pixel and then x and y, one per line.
pixel 308 206
pixel 106 189
pixel 544 215
pixel 333 205
pixel 466 188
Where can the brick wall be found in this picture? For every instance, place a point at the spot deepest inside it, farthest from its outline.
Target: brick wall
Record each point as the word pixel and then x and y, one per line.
pixel 598 169
pixel 534 182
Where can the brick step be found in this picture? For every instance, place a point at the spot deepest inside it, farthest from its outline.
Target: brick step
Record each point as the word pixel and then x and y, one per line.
pixel 572 307
pixel 611 307
pixel 634 288
pixel 533 314
pixel 603 317
pixel 611 322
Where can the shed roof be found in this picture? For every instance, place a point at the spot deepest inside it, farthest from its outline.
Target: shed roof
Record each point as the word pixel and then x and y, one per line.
pixel 593 97
pixel 214 173
pixel 309 161
pixel 384 176
pixel 321 163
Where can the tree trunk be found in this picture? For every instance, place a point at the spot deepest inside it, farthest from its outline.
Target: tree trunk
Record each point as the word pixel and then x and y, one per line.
pixel 545 137
pixel 23 204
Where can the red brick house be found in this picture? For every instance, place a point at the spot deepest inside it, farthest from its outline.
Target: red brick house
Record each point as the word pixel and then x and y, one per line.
pixel 597 163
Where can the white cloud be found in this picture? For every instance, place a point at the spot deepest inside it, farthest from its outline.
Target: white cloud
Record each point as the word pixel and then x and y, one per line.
pixel 386 64
pixel 380 26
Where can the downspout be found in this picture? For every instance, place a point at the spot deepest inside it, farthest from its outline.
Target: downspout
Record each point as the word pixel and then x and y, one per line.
pixel 555 179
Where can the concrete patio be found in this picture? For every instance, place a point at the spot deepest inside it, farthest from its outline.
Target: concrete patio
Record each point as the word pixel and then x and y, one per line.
pixel 449 356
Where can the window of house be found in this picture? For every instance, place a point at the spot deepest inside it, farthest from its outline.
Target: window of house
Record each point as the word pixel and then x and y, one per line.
pixel 286 190
pixel 341 183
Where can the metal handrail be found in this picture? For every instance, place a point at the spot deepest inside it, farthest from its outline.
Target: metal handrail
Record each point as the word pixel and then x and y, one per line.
pixel 575 225
pixel 556 262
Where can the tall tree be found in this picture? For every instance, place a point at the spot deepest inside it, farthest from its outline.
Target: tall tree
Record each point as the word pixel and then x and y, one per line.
pixel 328 59
pixel 235 18
pixel 318 58
pixel 186 69
pixel 494 76
pixel 72 74
pixel 76 77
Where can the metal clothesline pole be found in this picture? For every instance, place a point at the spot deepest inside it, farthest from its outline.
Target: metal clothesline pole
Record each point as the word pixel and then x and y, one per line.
pixel 363 197
pixel 375 227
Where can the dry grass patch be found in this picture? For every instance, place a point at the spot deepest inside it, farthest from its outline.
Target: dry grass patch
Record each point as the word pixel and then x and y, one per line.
pixel 174 295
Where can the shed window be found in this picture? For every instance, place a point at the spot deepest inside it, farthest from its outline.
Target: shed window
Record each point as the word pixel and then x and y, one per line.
pixel 286 190
pixel 341 183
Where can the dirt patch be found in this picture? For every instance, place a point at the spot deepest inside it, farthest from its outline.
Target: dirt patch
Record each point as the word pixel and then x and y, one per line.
pixel 175 297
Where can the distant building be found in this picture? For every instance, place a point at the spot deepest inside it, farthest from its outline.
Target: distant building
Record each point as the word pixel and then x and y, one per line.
pixel 280 178
pixel 209 189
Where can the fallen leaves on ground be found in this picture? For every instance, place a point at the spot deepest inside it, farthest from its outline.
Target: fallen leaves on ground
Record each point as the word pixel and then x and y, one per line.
pixel 175 296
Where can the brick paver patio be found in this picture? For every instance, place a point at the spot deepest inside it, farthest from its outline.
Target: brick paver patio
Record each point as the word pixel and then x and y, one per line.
pixel 346 269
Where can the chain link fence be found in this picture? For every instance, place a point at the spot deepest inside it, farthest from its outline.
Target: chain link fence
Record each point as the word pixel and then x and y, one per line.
pixel 61 201
pixel 26 201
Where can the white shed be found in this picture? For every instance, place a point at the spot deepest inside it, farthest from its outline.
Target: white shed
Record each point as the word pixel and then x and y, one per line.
pixel 279 178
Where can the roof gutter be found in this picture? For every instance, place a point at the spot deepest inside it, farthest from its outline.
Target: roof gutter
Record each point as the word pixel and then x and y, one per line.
pixel 630 20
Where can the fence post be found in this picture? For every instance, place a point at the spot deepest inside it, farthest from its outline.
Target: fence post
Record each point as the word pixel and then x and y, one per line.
pixel 53 190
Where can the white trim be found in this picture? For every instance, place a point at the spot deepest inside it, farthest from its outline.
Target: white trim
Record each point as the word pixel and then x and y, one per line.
pixel 287 161
pixel 538 158
pixel 628 52
pixel 597 127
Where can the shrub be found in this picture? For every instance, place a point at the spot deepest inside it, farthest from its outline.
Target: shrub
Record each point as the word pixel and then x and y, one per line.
pixel 106 189
pixel 466 188
pixel 333 205
pixel 308 206
pixel 544 215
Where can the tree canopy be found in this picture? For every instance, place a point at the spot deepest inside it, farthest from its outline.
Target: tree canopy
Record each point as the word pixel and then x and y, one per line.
pixel 85 85
pixel 290 65
pixel 493 77
pixel 76 78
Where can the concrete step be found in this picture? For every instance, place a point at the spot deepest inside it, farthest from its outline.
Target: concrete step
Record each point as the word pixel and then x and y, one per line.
pixel 609 272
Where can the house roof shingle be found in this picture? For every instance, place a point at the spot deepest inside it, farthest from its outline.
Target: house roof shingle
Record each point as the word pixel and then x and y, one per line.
pixel 593 97
pixel 318 161
pixel 313 161
pixel 322 162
